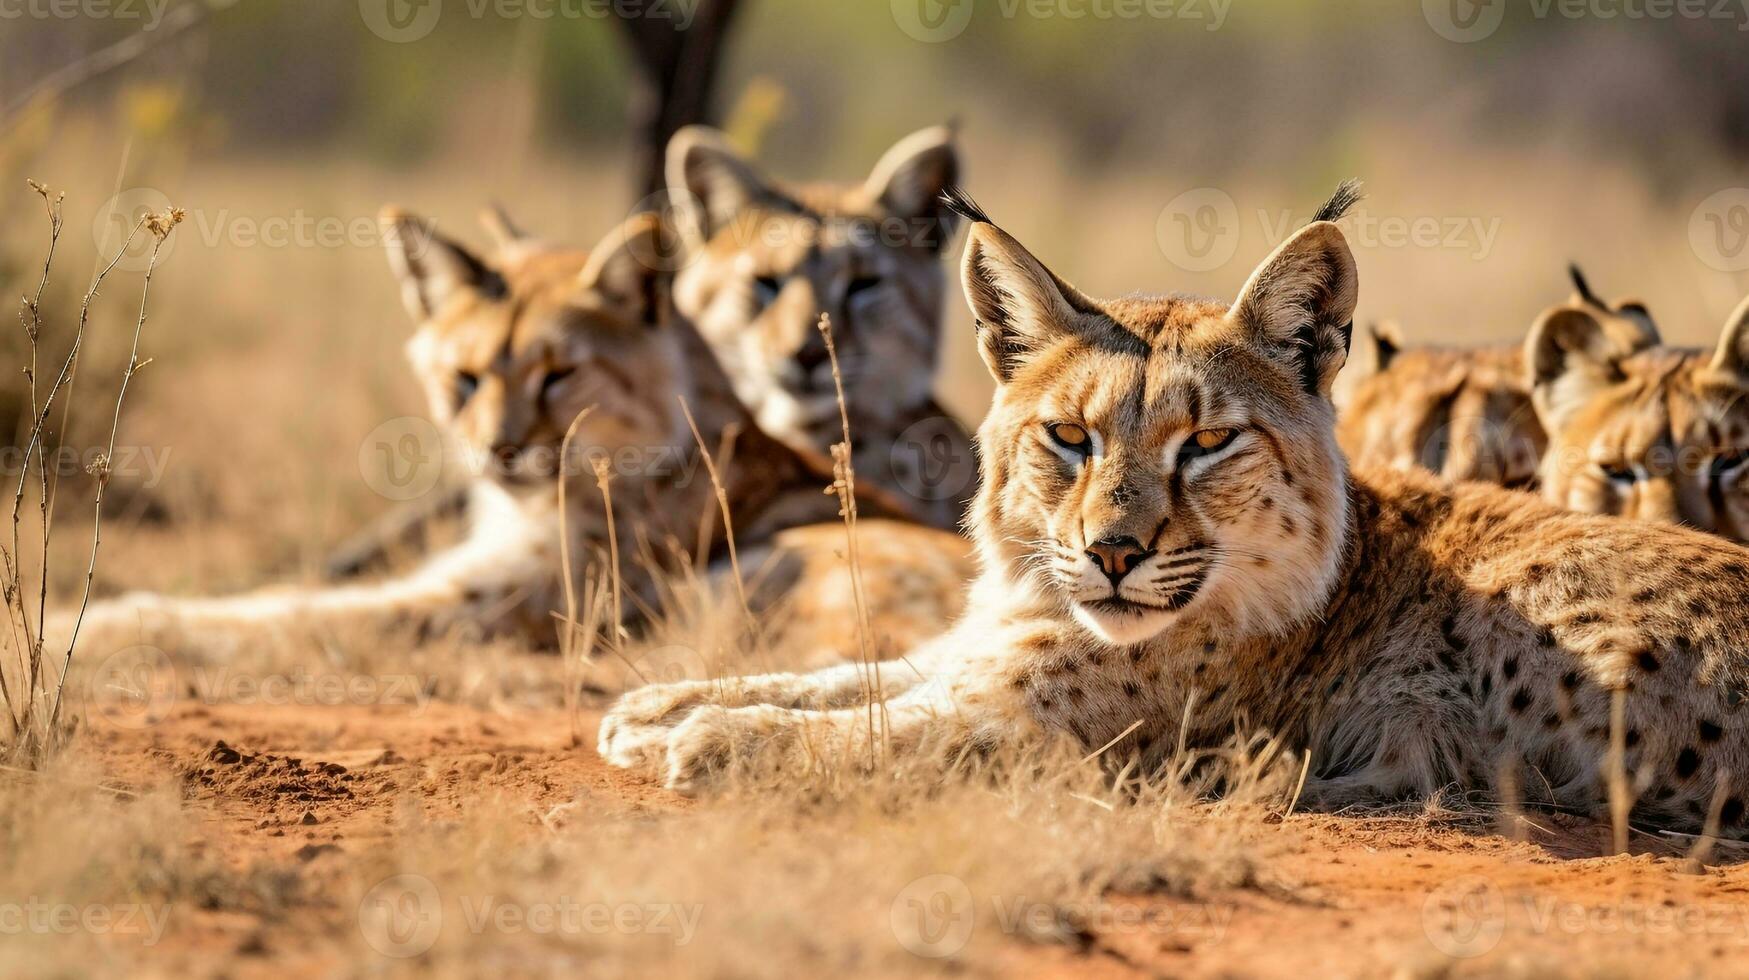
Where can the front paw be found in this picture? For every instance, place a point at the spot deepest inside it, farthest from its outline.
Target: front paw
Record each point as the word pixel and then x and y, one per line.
pixel 635 731
pixel 716 746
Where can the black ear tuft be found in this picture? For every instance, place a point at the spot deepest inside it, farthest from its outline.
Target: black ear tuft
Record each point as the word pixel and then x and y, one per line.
pixel 1582 287
pixel 1348 194
pixel 955 199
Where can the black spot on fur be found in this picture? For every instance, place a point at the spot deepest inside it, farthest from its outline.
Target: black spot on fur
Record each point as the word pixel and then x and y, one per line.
pixel 1131 689
pixel 1687 762
pixel 1509 668
pixel 1649 662
pixel 1521 699
pixel 1448 628
pixel 1732 811
pixel 1710 731
pixel 1570 680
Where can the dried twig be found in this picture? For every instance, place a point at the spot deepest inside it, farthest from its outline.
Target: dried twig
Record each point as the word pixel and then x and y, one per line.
pixel 160 225
pixel 845 488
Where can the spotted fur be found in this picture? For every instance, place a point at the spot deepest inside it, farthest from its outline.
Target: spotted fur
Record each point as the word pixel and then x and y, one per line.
pixel 1407 635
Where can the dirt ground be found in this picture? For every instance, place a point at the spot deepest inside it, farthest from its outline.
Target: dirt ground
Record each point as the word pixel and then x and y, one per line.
pixel 310 792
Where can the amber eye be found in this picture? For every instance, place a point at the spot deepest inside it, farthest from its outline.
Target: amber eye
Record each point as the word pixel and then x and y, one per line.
pixel 1071 437
pixel 1205 442
pixel 1213 438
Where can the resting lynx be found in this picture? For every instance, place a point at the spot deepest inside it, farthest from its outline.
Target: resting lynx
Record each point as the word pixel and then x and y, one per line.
pixel 1463 413
pixel 763 261
pixel 1171 537
pixel 513 354
pixel 1657 434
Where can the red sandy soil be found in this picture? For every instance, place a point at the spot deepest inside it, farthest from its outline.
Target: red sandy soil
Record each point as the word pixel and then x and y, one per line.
pixel 303 789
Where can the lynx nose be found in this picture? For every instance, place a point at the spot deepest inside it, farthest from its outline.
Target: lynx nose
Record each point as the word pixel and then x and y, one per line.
pixel 1117 556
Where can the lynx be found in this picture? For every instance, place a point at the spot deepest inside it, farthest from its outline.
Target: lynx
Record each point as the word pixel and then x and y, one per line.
pixel 1463 413
pixel 1657 434
pixel 1174 548
pixel 539 364
pixel 763 261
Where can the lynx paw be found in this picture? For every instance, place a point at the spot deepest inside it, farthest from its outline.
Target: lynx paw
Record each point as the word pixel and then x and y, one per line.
pixel 635 730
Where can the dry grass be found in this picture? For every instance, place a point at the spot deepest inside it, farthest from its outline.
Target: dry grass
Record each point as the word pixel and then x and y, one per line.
pixel 285 358
pixel 33 696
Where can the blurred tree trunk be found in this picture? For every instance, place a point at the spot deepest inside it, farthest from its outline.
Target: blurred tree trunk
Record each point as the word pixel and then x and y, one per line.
pixel 677 73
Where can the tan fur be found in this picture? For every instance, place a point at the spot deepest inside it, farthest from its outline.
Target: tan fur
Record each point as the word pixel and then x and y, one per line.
pixel 764 260
pixel 511 353
pixel 1463 413
pixel 1408 635
pixel 1658 435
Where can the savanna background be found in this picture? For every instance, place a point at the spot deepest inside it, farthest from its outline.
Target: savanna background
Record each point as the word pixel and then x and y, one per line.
pixel 1162 147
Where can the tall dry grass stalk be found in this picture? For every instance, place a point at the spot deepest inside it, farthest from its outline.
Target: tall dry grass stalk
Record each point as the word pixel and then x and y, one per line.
pixel 33 698
pixel 844 486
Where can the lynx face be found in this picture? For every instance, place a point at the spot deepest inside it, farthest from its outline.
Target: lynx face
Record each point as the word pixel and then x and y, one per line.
pixel 765 261
pixel 1657 434
pixel 510 353
pixel 1151 458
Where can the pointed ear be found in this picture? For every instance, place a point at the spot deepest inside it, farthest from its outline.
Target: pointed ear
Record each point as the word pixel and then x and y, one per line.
pixel 910 177
pixel 627 269
pixel 713 181
pixel 432 269
pixel 1387 343
pixel 1020 306
pixel 1569 357
pixel 506 234
pixel 1300 302
pixel 1732 356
